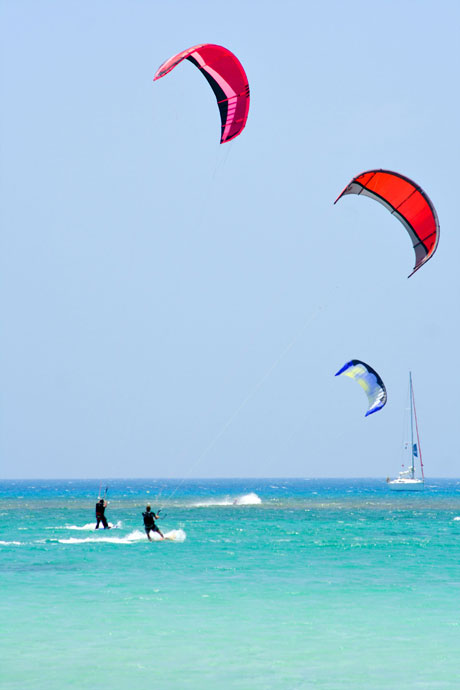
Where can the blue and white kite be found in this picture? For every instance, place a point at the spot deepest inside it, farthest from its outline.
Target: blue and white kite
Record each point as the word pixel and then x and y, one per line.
pixel 369 381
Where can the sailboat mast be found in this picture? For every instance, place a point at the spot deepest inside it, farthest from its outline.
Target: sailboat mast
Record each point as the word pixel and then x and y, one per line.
pixel 416 429
pixel 412 469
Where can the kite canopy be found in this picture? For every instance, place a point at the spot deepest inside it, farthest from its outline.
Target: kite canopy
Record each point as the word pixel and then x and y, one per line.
pixel 369 381
pixel 408 202
pixel 227 78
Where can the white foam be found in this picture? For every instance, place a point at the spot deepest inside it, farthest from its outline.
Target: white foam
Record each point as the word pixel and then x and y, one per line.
pixel 9 543
pixel 457 518
pixel 251 499
pixel 90 526
pixel 131 538
pixel 211 503
pixel 175 535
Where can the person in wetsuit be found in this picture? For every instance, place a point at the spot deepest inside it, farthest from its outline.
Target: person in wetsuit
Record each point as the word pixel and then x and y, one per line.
pixel 101 505
pixel 149 523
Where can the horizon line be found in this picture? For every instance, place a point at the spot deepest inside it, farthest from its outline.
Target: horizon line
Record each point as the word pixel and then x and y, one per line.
pixel 203 478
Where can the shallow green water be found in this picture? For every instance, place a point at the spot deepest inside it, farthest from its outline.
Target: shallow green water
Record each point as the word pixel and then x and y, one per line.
pixel 324 584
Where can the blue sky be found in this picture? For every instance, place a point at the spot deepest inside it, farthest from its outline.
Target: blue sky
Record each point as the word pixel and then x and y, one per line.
pixel 171 307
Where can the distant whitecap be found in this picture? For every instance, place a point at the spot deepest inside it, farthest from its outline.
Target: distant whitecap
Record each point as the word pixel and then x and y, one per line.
pixel 251 499
pixel 10 543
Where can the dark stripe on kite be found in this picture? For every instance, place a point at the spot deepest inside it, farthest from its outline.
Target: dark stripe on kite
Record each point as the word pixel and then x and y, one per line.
pixel 222 101
pixel 226 76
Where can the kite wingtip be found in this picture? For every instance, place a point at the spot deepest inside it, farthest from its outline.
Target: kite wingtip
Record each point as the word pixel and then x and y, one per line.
pixel 376 409
pixel 342 369
pixel 415 269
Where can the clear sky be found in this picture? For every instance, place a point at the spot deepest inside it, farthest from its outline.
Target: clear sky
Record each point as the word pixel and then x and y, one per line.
pixel 171 307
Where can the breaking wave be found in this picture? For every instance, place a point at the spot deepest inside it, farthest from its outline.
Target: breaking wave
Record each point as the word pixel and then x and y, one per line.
pixel 251 499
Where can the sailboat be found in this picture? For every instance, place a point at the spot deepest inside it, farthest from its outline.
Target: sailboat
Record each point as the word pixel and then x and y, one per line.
pixel 407 481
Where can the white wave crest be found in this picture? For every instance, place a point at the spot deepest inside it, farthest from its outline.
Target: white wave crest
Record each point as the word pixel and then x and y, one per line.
pixel 457 518
pixel 10 543
pixel 213 502
pixel 251 499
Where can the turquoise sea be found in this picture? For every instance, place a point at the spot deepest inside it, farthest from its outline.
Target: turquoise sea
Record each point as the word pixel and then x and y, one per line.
pixel 276 584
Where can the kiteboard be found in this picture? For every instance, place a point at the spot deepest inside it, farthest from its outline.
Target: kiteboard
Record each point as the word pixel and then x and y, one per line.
pixel 105 529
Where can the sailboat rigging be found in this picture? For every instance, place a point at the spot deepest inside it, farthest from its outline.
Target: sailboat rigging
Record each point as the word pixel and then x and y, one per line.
pixel 407 481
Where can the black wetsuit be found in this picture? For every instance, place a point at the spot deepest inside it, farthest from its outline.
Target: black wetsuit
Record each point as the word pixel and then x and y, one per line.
pixel 100 517
pixel 149 523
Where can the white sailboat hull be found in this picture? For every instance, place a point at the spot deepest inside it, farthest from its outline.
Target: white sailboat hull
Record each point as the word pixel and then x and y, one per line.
pixel 406 485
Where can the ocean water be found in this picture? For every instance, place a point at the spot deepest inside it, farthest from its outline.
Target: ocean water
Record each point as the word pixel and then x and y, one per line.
pixel 268 584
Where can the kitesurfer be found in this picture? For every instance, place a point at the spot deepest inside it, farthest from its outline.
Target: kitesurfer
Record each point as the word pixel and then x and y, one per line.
pixel 101 505
pixel 149 523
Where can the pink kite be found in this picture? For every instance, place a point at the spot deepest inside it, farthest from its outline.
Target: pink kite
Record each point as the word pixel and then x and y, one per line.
pixel 227 78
